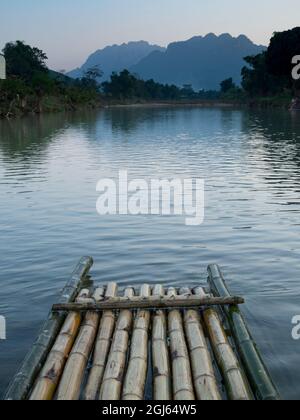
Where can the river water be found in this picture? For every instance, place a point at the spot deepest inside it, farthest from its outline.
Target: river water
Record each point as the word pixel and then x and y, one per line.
pixel 250 161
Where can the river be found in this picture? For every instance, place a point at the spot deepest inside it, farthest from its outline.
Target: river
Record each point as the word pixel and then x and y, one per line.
pixel 250 161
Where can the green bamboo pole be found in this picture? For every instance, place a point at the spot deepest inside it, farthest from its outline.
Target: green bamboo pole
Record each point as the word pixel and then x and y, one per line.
pixel 258 375
pixel 22 383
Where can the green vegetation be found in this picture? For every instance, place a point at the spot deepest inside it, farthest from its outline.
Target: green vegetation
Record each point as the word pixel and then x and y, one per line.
pixel 268 75
pixel 124 86
pixel 32 87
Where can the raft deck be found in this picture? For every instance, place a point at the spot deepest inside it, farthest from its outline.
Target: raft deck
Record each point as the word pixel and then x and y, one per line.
pixel 101 343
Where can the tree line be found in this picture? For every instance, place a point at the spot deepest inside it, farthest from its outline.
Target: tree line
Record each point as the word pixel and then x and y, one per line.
pixel 31 87
pixel 30 84
pixel 267 74
pixel 270 73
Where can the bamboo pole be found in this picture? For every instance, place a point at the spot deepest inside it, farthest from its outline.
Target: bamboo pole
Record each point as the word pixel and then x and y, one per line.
pixel 162 387
pixel 111 387
pixel 182 375
pixel 102 347
pixel 149 303
pixel 205 382
pixel 136 375
pixel 257 373
pixel 31 367
pixel 50 375
pixel 236 384
pixel 70 385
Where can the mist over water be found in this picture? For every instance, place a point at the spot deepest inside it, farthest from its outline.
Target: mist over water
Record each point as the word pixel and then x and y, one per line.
pixel 250 161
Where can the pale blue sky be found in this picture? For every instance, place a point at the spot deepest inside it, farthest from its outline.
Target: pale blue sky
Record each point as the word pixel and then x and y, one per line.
pixel 69 30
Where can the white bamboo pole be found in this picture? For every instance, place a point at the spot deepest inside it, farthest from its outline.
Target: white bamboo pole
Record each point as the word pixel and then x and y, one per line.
pixel 205 382
pixel 182 376
pixel 111 387
pixel 103 342
pixel 162 384
pixel 50 375
pixel 136 375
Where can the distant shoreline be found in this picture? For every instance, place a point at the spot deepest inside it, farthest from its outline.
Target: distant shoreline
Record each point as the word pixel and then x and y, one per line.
pixel 253 103
pixel 58 106
pixel 163 104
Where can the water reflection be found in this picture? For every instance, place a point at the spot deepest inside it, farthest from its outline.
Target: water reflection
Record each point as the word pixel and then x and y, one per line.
pixel 49 167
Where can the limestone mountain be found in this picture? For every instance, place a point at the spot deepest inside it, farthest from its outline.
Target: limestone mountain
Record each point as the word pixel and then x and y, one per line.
pixel 116 58
pixel 202 62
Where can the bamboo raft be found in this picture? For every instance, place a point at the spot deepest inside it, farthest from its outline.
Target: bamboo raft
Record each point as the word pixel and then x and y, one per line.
pixel 98 344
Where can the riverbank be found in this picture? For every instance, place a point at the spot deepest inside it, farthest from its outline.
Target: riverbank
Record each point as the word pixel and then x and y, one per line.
pixel 33 105
pixel 19 107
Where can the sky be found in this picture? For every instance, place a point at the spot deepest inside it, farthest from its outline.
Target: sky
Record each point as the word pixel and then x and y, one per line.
pixel 69 30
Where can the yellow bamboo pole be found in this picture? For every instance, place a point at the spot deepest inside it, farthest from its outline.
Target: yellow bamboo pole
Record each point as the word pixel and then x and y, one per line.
pixel 205 382
pixel 22 383
pixel 236 383
pixel 102 347
pixel 182 376
pixel 50 375
pixel 70 385
pixel 162 387
pixel 136 375
pixel 111 387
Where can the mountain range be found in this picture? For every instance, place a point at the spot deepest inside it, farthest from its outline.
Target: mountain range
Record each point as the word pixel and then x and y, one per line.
pixel 116 58
pixel 202 62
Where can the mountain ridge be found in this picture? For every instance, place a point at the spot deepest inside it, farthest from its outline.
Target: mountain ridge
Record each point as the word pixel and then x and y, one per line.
pixel 201 61
pixel 116 58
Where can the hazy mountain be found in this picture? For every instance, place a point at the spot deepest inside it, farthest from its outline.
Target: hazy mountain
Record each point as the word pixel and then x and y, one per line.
pixel 201 61
pixel 116 58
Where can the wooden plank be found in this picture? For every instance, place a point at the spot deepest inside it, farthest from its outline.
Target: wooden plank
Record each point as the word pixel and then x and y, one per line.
pixel 150 303
pixel 136 375
pixel 31 367
pixel 103 342
pixel 162 383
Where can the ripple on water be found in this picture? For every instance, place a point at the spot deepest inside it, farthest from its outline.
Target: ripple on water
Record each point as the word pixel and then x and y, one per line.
pixel 49 168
